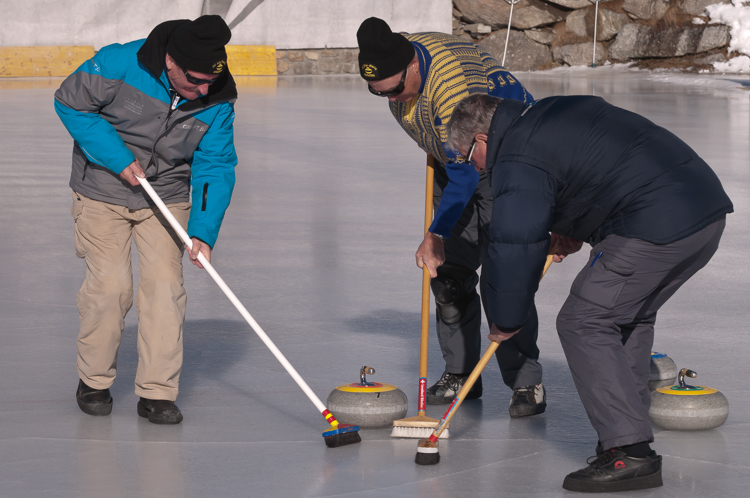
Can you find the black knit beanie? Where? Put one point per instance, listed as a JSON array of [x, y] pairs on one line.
[[382, 53], [199, 45]]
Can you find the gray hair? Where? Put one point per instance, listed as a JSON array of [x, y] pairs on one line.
[[471, 116]]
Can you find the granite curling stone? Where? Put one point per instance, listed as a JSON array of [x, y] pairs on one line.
[[683, 407], [663, 371], [367, 404]]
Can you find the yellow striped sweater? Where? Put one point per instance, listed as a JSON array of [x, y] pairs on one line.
[[451, 68]]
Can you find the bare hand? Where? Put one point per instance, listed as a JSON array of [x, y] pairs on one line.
[[431, 253], [564, 246], [496, 335], [199, 247], [133, 170]]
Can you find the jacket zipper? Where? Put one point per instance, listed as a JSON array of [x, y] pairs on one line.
[[205, 196], [172, 107]]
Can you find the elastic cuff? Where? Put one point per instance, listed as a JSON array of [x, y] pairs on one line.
[[508, 330]]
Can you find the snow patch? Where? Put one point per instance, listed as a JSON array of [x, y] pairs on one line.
[[737, 17], [739, 64]]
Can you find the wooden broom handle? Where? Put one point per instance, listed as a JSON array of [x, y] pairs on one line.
[[469, 383], [425, 321], [488, 354]]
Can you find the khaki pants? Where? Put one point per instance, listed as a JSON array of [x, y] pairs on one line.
[[103, 234]]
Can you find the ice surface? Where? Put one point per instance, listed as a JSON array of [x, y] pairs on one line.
[[318, 244]]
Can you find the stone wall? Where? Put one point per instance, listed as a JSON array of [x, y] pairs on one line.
[[317, 61], [552, 33]]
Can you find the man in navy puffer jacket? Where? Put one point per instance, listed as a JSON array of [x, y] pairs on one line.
[[652, 210]]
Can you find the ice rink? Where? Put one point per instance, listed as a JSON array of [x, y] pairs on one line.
[[319, 245]]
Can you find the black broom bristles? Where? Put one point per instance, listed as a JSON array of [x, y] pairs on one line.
[[342, 435], [427, 458], [427, 451], [342, 439]]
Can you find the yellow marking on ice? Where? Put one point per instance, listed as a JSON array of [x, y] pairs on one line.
[[42, 61]]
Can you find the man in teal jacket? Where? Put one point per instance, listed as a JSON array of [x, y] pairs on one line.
[[160, 108]]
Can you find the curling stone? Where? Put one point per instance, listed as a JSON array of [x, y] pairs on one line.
[[367, 404], [684, 407], [663, 371]]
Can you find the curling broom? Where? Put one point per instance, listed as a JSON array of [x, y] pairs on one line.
[[427, 449], [337, 434], [422, 426]]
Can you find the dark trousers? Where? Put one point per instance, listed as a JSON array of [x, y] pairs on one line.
[[606, 325], [461, 342]]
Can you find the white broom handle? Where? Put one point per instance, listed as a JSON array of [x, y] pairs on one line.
[[237, 304]]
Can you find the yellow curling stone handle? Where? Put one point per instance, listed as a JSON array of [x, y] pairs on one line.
[[682, 389]]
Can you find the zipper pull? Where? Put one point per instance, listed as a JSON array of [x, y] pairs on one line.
[[175, 100]]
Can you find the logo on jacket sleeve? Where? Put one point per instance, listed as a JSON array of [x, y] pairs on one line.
[[194, 127], [133, 106]]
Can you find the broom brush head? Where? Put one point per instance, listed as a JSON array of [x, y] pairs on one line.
[[427, 452], [417, 432], [418, 427], [342, 435]]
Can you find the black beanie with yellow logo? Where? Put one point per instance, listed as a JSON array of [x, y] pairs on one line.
[[382, 53], [199, 45]]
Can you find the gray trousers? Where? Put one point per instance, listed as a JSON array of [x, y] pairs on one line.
[[606, 325], [461, 342]]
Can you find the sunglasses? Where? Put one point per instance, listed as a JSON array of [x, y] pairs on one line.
[[471, 152], [197, 81], [397, 90]]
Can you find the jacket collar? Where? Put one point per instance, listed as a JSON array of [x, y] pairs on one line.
[[153, 54], [505, 115], [425, 61]]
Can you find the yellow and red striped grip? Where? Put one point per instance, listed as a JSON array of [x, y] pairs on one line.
[[330, 419]]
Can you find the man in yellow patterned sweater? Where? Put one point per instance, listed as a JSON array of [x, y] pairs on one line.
[[424, 75]]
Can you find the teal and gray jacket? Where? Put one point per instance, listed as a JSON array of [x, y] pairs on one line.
[[118, 107]]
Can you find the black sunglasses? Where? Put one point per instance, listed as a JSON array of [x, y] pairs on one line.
[[397, 90], [197, 81]]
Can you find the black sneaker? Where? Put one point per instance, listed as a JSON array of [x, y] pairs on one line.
[[159, 411], [97, 402], [616, 471], [444, 391], [528, 400]]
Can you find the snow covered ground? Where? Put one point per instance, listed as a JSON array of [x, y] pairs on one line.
[[318, 244], [737, 16]]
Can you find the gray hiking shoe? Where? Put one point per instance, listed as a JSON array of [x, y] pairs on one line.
[[528, 400], [444, 391]]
